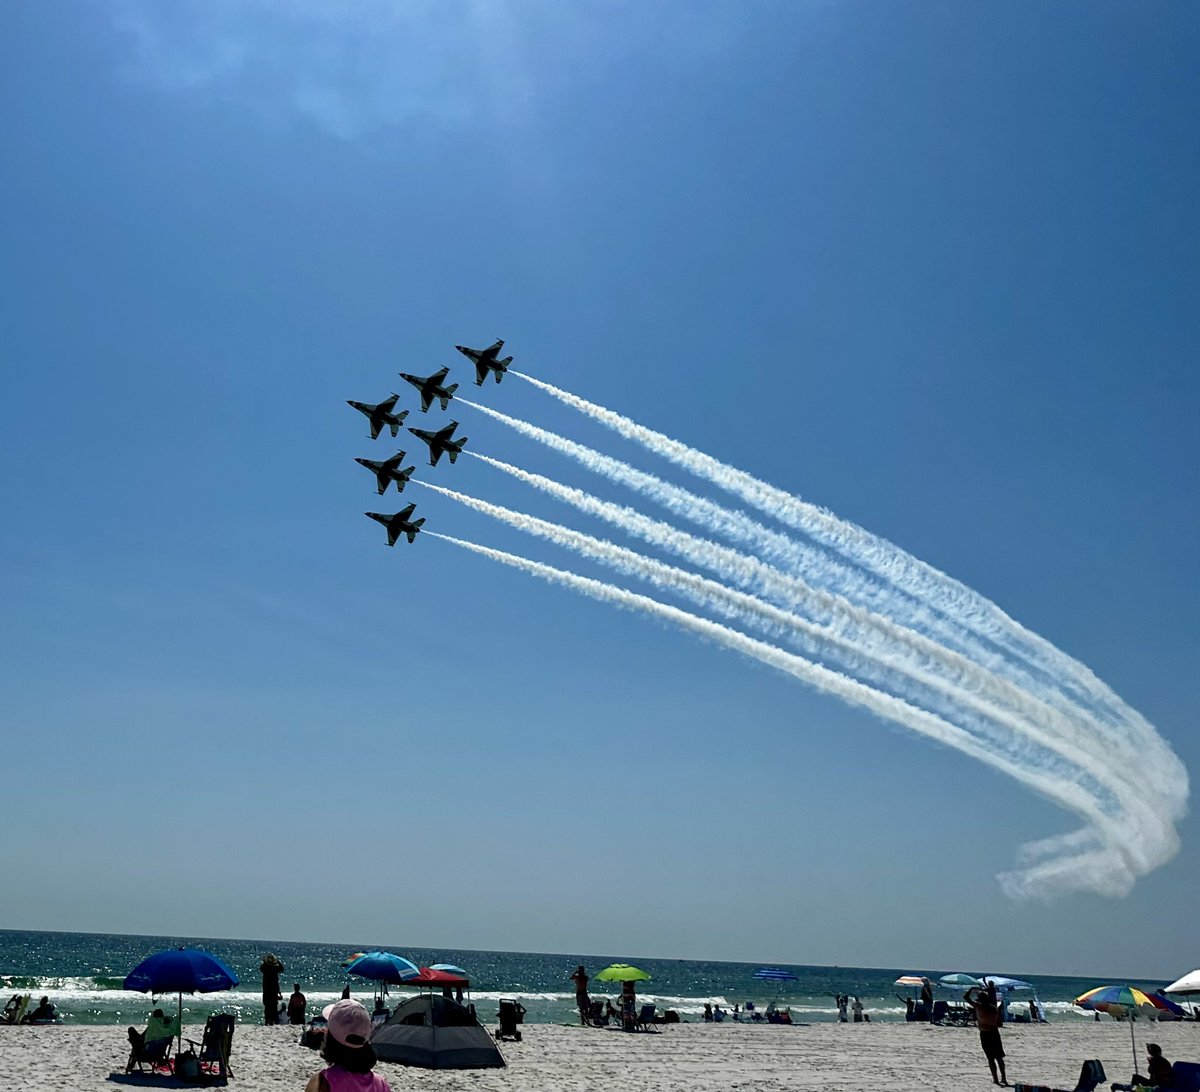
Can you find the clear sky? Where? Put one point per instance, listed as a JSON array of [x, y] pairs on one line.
[[932, 266]]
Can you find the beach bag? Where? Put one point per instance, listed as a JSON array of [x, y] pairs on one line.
[[187, 1067]]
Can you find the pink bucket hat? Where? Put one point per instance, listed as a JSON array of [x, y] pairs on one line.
[[348, 1022]]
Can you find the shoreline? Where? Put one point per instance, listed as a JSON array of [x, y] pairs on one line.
[[822, 1057]]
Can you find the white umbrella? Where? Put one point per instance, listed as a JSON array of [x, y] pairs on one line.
[[1189, 983]]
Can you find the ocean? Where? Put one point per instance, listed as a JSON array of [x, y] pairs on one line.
[[83, 972]]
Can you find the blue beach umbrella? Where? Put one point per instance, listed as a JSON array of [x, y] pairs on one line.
[[384, 967], [180, 971], [958, 980], [775, 974]]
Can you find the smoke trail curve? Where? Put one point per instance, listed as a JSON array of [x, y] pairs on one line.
[[1090, 859]]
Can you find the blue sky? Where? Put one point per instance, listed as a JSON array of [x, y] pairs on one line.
[[930, 266]]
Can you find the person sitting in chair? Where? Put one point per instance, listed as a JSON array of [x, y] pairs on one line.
[[159, 1027], [1158, 1071]]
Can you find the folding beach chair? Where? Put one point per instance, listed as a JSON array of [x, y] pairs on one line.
[[1091, 1076], [157, 1053], [215, 1045], [645, 1019], [1187, 1076]]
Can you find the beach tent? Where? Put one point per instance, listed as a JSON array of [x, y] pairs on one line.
[[435, 1032]]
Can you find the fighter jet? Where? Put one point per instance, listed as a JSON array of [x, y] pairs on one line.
[[431, 388], [440, 441], [485, 361], [398, 524], [381, 414], [388, 471]]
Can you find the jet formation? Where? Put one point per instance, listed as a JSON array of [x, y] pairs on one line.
[[441, 441]]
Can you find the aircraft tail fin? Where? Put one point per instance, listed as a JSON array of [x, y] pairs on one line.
[[395, 427], [456, 450]]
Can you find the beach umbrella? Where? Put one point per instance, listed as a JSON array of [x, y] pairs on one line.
[[449, 968], [1106, 998], [958, 980], [1188, 984], [180, 971], [914, 980], [1002, 983], [357, 955], [621, 972], [1161, 1001], [775, 974], [384, 967]]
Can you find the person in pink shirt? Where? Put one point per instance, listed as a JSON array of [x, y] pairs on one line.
[[347, 1049]]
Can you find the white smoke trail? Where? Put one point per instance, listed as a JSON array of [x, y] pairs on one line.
[[923, 581], [901, 649], [877, 555], [836, 586], [882, 667], [1066, 755], [1099, 858]]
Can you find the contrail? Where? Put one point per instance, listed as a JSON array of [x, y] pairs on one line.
[[858, 627], [875, 554], [1101, 858], [913, 575], [1067, 754], [1003, 727], [837, 586]]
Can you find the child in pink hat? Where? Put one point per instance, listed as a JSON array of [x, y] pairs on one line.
[[347, 1049]]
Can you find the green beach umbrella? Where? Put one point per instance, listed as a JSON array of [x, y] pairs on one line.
[[621, 972]]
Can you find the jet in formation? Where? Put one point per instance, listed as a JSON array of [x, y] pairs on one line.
[[431, 387], [381, 414], [485, 361], [388, 471], [398, 523], [441, 441]]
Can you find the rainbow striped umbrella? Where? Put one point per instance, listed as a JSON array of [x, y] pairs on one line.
[[1106, 998]]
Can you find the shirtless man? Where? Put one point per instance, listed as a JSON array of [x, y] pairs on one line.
[[582, 1001], [988, 1017]]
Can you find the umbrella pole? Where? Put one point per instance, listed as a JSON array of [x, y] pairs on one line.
[[179, 1046], [1133, 1042]]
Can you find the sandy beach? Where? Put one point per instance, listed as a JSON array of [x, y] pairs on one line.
[[693, 1057]]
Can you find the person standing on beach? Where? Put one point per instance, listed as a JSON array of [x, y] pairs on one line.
[[987, 1016], [297, 1004], [582, 1001], [271, 967]]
